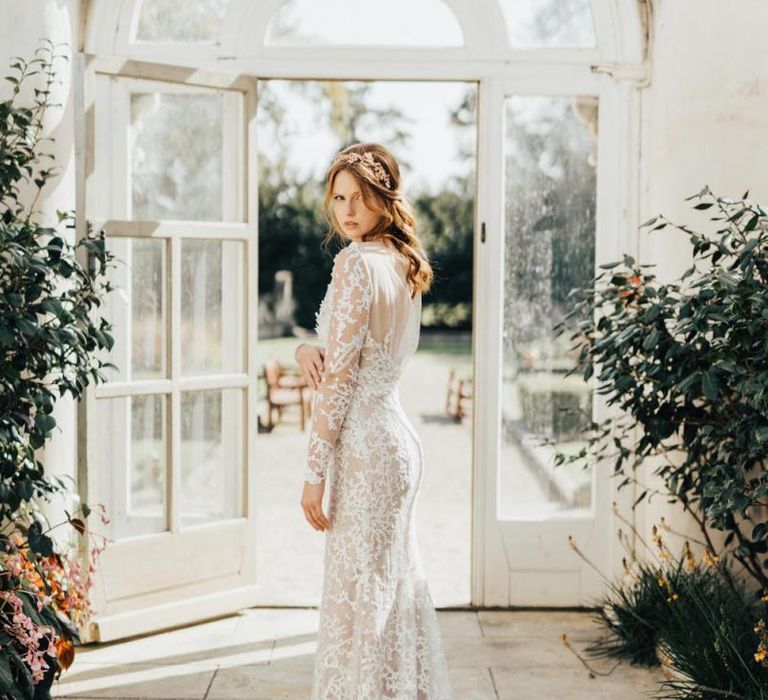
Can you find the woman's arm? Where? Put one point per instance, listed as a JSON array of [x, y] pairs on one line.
[[349, 313]]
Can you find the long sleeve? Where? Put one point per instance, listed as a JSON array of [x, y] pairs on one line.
[[350, 306]]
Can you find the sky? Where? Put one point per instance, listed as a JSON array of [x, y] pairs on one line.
[[433, 147]]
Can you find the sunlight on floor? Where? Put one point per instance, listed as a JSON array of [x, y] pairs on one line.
[[267, 654]]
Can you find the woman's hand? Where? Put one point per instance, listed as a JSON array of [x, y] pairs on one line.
[[312, 503], [310, 360]]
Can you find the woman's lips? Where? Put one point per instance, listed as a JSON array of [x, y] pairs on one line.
[[350, 224]]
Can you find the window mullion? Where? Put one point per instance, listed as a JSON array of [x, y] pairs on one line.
[[174, 333]]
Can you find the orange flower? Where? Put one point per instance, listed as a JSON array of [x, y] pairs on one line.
[[65, 651]]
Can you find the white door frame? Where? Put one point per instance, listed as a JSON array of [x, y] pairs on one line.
[[618, 171], [184, 590], [509, 556]]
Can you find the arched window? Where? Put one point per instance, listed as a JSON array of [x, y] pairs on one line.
[[212, 31]]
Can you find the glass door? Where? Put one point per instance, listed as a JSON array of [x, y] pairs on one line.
[[168, 163], [546, 224]]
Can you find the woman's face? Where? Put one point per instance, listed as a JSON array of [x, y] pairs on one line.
[[352, 215]]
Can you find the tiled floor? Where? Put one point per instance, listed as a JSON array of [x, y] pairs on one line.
[[267, 654]]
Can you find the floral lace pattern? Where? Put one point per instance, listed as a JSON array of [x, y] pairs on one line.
[[378, 634]]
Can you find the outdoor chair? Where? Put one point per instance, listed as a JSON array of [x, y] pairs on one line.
[[285, 387], [459, 394]]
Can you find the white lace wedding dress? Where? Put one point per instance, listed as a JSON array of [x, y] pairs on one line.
[[378, 634]]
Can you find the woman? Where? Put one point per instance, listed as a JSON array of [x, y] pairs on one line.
[[378, 635]]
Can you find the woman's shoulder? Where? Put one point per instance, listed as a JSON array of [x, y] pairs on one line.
[[350, 266], [348, 255]]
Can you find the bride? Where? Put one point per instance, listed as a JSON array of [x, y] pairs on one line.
[[378, 634]]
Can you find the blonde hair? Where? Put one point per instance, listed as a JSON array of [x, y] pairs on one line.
[[382, 195]]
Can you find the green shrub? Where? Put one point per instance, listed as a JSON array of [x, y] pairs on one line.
[[687, 364], [48, 340]]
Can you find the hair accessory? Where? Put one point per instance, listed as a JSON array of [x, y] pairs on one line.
[[368, 160]]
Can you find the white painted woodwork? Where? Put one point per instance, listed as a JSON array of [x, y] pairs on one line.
[[185, 573]]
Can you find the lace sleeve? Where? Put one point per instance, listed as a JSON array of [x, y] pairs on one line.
[[350, 306]]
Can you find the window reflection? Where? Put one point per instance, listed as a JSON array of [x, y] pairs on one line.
[[180, 20], [176, 164], [137, 309], [211, 455], [550, 177], [549, 23], [364, 22], [212, 288], [132, 464]]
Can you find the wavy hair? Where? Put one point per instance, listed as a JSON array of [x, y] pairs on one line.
[[397, 225]]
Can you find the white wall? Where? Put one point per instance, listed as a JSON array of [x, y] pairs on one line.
[[22, 25], [705, 122]]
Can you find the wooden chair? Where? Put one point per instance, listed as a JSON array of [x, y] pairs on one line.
[[285, 387], [459, 393]]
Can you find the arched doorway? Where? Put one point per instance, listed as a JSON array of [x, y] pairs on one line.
[[570, 77]]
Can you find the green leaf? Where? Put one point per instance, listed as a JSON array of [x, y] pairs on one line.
[[710, 385], [651, 339], [752, 223], [44, 422]]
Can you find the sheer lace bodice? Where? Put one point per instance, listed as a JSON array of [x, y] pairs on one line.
[[369, 326], [378, 635]]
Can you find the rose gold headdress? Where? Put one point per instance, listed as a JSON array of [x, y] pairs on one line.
[[369, 161]]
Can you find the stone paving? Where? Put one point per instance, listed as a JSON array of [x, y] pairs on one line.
[[267, 654]]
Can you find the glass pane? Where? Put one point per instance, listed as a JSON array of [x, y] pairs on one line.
[[364, 22], [537, 23], [176, 164], [131, 467], [550, 157], [212, 306], [137, 309], [212, 449], [180, 20]]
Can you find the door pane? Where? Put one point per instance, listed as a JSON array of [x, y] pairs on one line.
[[131, 469], [212, 449], [137, 309], [212, 319], [550, 157], [550, 23], [176, 150]]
